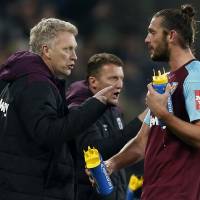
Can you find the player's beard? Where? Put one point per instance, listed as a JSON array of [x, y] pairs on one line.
[[161, 52]]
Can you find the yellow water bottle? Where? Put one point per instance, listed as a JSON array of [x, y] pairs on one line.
[[159, 82], [98, 170], [135, 183]]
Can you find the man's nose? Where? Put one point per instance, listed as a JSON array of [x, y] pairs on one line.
[[147, 39], [74, 56], [119, 84]]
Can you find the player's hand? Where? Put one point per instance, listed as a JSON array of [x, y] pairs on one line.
[[109, 166], [156, 102]]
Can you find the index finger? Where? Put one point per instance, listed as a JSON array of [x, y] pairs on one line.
[[151, 89], [105, 90]]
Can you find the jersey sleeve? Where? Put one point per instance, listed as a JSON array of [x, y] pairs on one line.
[[147, 118], [191, 91]]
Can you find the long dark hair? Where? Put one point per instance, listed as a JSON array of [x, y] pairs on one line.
[[182, 20]]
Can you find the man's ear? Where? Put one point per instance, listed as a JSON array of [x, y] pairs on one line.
[[172, 36], [46, 51], [92, 83]]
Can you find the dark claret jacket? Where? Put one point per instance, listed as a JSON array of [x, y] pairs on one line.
[[36, 125], [108, 135]]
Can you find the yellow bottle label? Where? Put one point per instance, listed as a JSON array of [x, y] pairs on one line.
[[92, 158], [160, 78], [135, 183]]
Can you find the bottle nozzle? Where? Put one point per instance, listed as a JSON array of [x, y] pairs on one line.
[[160, 78], [135, 182], [92, 157]]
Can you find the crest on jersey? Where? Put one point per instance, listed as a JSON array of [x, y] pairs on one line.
[[174, 86]]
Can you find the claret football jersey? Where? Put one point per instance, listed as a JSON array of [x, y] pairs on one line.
[[172, 167]]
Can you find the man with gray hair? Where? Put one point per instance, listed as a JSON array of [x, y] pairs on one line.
[[36, 125]]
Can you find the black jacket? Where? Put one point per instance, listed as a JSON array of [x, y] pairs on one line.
[[35, 161], [108, 135]]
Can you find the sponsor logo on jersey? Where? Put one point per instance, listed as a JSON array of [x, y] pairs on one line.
[[197, 99], [174, 86], [154, 121]]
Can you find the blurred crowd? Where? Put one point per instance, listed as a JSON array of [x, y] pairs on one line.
[[104, 26]]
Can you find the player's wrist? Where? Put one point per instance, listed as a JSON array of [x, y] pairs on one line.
[[165, 115]]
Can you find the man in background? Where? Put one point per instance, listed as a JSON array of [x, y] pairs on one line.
[[108, 134]]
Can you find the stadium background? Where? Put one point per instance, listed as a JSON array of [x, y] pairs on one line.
[[113, 26]]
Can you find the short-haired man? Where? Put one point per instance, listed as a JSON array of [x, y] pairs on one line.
[[35, 123], [108, 134]]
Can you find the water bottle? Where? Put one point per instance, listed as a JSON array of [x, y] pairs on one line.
[[95, 164], [134, 184], [159, 84]]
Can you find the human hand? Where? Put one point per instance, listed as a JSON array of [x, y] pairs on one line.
[[109, 166], [109, 169], [156, 102], [91, 179], [108, 95]]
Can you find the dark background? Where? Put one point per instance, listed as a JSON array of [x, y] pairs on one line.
[[114, 26]]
